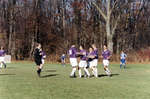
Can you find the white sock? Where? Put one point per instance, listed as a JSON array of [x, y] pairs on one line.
[[96, 72], [80, 73], [108, 70], [93, 71], [1, 65], [87, 72], [73, 71]]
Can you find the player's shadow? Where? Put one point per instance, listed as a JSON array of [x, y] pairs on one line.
[[7, 74], [103, 75], [50, 75], [50, 71]]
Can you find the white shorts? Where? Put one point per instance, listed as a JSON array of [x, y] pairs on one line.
[[91, 64], [82, 63], [105, 62], [43, 61], [73, 62], [95, 62], [1, 59]]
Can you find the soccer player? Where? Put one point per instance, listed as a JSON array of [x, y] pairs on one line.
[[83, 62], [63, 58], [106, 56], [2, 56], [123, 57], [91, 56], [38, 58], [73, 60], [95, 60]]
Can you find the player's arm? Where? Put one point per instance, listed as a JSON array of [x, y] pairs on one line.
[[109, 56]]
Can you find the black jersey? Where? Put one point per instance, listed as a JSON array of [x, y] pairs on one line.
[[37, 54]]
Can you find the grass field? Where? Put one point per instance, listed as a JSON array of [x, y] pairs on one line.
[[20, 81]]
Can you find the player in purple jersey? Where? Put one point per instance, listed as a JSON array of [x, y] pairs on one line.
[[91, 57], [95, 60], [83, 62], [2, 56], [106, 56], [73, 60]]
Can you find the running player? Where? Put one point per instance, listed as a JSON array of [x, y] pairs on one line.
[[2, 57], [73, 60], [83, 62], [123, 57], [63, 58], [106, 56], [91, 57], [95, 60], [38, 58]]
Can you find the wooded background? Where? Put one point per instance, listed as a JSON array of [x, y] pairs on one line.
[[56, 24]]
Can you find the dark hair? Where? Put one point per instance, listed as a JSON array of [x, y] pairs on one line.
[[37, 44], [82, 46], [105, 45]]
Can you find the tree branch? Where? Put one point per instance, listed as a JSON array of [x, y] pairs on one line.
[[113, 6], [115, 25], [100, 11]]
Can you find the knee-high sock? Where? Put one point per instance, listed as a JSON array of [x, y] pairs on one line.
[[80, 74], [1, 65], [96, 72], [73, 71], [86, 71], [93, 71], [106, 72]]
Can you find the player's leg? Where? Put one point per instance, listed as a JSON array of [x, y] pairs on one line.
[[120, 64], [38, 63], [106, 64], [92, 67], [4, 64], [80, 74], [124, 64], [73, 62], [95, 71], [95, 67], [1, 64], [85, 69], [73, 71]]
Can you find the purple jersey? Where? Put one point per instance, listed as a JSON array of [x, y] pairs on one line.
[[43, 55], [96, 53], [72, 52], [84, 54], [106, 54], [90, 54], [2, 53]]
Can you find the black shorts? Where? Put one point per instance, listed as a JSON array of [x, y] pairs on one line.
[[38, 62]]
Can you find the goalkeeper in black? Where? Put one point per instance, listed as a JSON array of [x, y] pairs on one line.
[[38, 58]]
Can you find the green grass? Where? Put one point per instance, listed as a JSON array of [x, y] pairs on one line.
[[20, 81]]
